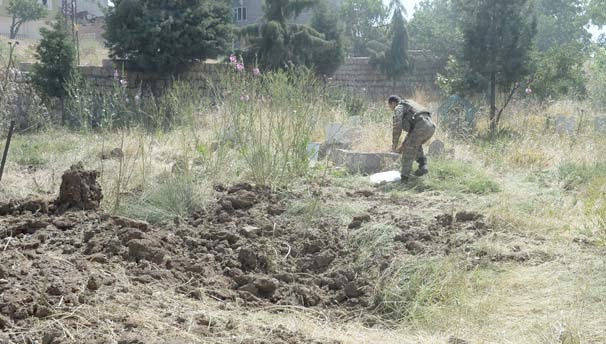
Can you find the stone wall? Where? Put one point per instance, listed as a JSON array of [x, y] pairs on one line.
[[357, 75]]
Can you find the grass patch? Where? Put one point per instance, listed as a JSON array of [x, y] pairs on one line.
[[174, 197], [414, 291], [372, 242], [452, 175], [575, 175]]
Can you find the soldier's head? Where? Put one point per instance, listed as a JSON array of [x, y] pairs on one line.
[[393, 101]]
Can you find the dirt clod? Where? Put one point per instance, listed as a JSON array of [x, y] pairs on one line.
[[352, 291], [79, 190], [242, 199], [358, 221], [139, 249], [248, 258], [92, 284], [465, 216]]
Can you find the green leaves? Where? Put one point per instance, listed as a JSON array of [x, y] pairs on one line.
[[23, 11], [276, 43], [56, 57], [161, 36]]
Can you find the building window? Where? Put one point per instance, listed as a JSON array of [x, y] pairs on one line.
[[240, 14]]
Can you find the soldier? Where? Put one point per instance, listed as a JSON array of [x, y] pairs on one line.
[[416, 121]]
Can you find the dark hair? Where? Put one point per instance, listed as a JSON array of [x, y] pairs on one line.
[[394, 99]]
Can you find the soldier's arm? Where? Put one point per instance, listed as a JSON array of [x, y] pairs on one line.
[[397, 127]]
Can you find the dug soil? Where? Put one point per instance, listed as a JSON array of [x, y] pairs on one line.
[[59, 257]]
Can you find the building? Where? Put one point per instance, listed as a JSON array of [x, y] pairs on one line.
[[246, 12], [87, 11]]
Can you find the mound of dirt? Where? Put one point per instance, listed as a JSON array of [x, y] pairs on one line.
[[79, 190]]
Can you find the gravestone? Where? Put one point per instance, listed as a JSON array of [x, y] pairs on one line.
[[565, 125], [363, 162], [342, 135], [436, 149], [599, 124]]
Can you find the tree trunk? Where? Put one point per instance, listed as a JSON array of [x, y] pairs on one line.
[[13, 33], [493, 104]]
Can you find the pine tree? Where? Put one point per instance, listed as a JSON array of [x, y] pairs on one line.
[[275, 43], [161, 36], [497, 43], [392, 58], [56, 64], [56, 57], [326, 60]]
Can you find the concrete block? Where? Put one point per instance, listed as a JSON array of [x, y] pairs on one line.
[[363, 162]]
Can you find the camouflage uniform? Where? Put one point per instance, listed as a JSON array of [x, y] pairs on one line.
[[416, 121]]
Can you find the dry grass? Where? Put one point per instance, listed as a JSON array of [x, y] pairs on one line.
[[555, 297]]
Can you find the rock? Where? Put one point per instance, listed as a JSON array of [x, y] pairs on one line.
[[599, 124], [436, 149], [145, 249], [352, 291], [3, 273], [565, 125], [342, 135], [362, 162], [248, 258], [98, 258], [79, 189]]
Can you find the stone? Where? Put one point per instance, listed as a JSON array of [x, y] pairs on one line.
[[362, 162], [565, 125], [436, 149], [313, 151], [599, 124], [343, 135]]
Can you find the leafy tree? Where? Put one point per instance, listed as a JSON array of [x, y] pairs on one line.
[[497, 43], [559, 71], [392, 59], [161, 35], [56, 64], [326, 22], [365, 22], [434, 30], [596, 10], [275, 43], [561, 22], [23, 11]]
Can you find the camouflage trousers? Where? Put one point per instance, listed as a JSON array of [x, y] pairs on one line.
[[423, 130]]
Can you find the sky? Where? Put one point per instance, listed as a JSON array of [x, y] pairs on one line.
[[408, 4]]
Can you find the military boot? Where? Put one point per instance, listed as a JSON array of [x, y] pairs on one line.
[[422, 167]]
